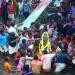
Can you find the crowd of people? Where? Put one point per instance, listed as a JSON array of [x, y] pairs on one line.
[[12, 8], [42, 47]]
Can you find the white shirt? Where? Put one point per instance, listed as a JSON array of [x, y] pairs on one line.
[[12, 29], [47, 59]]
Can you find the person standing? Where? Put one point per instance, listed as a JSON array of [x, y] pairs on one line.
[[26, 9], [61, 61], [4, 6], [20, 8], [11, 11], [13, 43], [15, 3]]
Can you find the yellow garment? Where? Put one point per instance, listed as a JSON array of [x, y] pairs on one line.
[[7, 67], [44, 43]]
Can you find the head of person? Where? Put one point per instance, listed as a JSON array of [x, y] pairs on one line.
[[26, 68], [12, 34], [45, 28], [45, 52], [4, 1], [24, 43], [20, 1], [25, 1], [25, 28], [64, 51], [29, 53], [30, 34], [35, 57], [2, 31], [6, 59], [22, 54], [9, 22]]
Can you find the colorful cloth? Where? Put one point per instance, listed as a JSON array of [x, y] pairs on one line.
[[44, 43]]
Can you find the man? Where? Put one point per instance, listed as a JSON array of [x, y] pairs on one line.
[[26, 9], [36, 65], [4, 6], [11, 11], [20, 8], [61, 61]]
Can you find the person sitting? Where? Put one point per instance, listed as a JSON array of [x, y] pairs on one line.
[[61, 60], [47, 60], [8, 67], [36, 65]]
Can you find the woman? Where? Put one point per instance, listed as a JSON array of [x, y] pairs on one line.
[[4, 6]]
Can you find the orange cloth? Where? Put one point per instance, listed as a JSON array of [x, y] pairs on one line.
[[36, 66], [7, 67]]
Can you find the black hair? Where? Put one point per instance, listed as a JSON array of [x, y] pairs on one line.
[[25, 28], [22, 54], [45, 28], [1, 31], [6, 59], [33, 23], [35, 57], [26, 68], [24, 41], [64, 51], [45, 52]]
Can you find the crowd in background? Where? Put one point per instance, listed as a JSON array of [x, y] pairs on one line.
[[12, 8], [42, 46]]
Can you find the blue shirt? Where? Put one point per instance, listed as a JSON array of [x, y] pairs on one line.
[[4, 39], [26, 7], [72, 11], [62, 58]]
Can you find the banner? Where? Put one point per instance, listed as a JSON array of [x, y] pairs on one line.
[[35, 14]]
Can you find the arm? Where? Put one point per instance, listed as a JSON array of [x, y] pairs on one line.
[[29, 58], [15, 40]]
